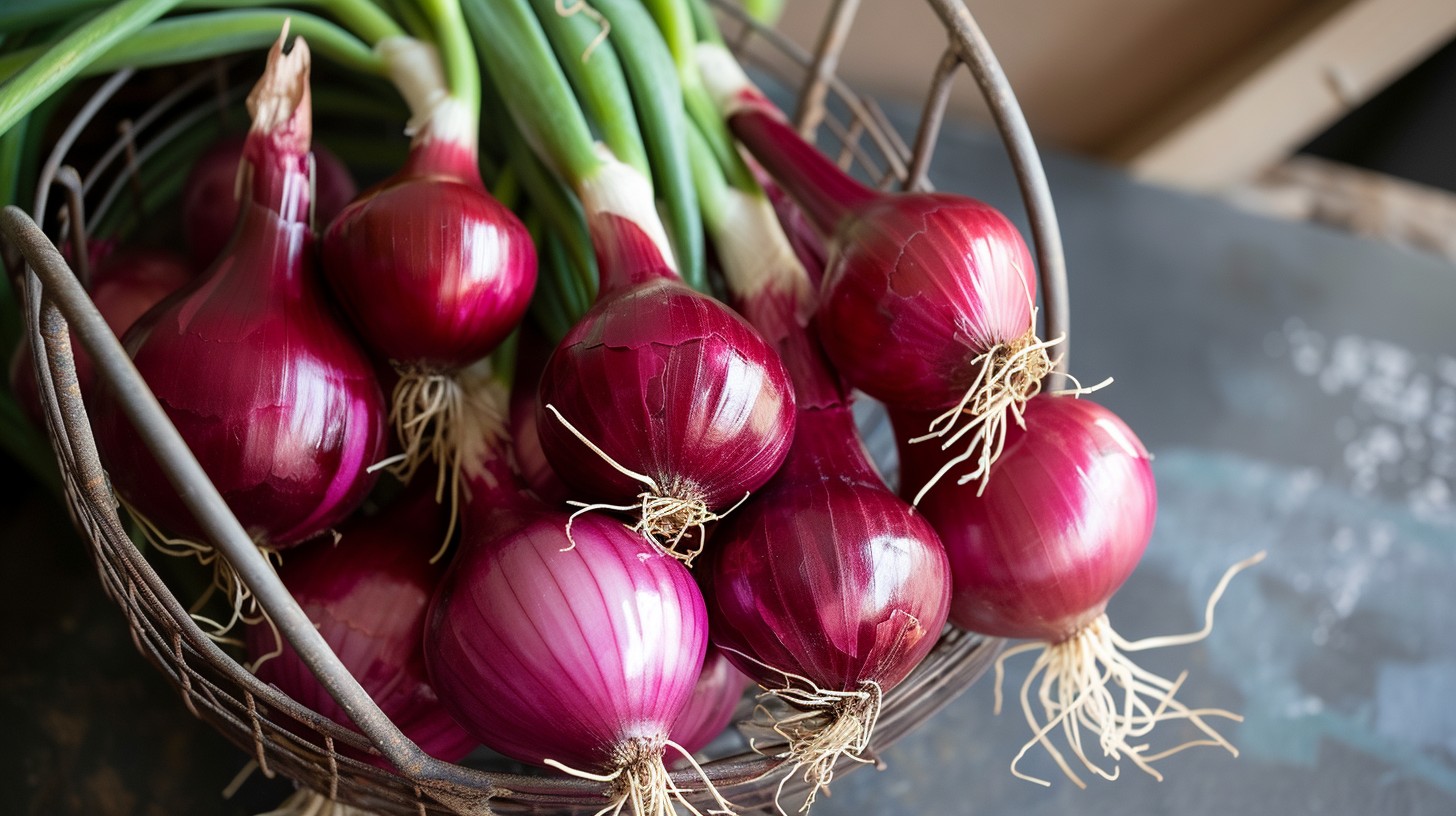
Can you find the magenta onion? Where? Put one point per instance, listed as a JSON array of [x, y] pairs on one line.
[[432, 270], [210, 195], [715, 698], [827, 590], [264, 383], [367, 594], [576, 650], [660, 394], [1037, 555], [125, 283], [928, 299]]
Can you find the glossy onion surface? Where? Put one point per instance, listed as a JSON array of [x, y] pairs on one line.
[[267, 386], [1062, 523], [917, 287], [825, 573], [432, 270], [548, 651], [367, 594], [671, 384]]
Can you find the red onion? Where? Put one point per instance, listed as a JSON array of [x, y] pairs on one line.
[[715, 698], [659, 395], [125, 283], [1053, 536], [265, 384], [367, 594], [928, 298], [825, 587], [210, 195], [574, 649], [431, 269]]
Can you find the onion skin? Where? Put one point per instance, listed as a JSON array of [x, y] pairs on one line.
[[266, 385], [368, 594], [825, 573], [673, 385], [916, 288], [432, 270], [715, 698], [125, 283], [210, 203], [545, 651], [917, 284], [1062, 524]]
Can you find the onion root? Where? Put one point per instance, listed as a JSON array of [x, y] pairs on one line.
[[642, 781], [426, 414], [1080, 681]]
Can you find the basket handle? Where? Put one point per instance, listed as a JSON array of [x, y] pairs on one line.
[[202, 498]]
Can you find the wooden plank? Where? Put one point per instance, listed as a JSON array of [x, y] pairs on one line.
[[1234, 127]]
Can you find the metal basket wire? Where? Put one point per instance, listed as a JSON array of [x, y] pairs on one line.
[[284, 737]]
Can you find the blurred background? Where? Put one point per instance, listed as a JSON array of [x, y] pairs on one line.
[[1279, 104]]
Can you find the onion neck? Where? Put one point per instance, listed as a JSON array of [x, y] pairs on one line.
[[827, 445], [445, 141], [771, 289], [827, 194], [626, 233], [276, 170]]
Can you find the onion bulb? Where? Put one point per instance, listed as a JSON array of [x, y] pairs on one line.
[[573, 649], [1038, 555], [266, 385], [928, 300]]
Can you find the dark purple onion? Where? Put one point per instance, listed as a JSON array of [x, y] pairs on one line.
[[367, 594], [432, 270], [210, 203], [266, 385], [918, 284], [825, 573], [1060, 526], [670, 384]]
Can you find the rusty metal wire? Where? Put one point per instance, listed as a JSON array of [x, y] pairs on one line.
[[279, 735]]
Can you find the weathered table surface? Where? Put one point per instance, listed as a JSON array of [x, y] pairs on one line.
[[1298, 388]]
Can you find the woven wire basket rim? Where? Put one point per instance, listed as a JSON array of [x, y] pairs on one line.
[[285, 737]]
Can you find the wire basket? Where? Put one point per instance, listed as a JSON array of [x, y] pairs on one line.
[[285, 738]]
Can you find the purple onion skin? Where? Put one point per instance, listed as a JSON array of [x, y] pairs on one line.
[[432, 270], [210, 209], [368, 595], [917, 284], [125, 283], [671, 384], [544, 651], [715, 698], [266, 385], [1062, 523], [825, 573]]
